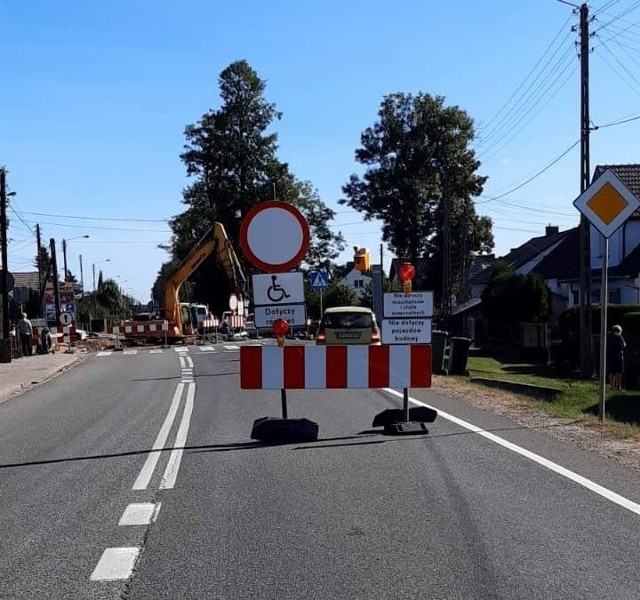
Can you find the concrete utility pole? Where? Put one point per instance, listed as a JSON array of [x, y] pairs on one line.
[[584, 259], [586, 361], [4, 285]]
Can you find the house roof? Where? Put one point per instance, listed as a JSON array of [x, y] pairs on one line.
[[563, 262], [628, 174], [517, 257]]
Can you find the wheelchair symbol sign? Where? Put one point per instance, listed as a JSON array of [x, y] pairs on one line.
[[278, 288]]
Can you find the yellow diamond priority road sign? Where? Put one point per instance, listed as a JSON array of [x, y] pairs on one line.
[[607, 203]]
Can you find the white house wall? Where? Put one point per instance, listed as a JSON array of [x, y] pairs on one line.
[[350, 279]]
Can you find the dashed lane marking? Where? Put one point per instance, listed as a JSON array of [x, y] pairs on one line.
[[140, 514], [115, 563]]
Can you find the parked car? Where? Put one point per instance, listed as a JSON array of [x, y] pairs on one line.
[[343, 325]]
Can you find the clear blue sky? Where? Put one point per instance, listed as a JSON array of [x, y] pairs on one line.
[[96, 95]]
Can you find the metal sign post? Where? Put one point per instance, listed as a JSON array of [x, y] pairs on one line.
[[607, 204]]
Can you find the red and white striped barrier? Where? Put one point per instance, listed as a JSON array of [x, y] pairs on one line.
[[236, 321], [68, 333], [139, 328], [209, 323], [334, 367]]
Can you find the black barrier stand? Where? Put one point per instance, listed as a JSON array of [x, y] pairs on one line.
[[283, 430]]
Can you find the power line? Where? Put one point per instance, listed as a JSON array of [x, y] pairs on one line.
[[620, 122], [523, 82], [524, 106], [97, 218], [540, 172], [619, 16]]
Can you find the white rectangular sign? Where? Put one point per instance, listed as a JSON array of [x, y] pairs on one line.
[[415, 305], [406, 331], [294, 314], [278, 288]]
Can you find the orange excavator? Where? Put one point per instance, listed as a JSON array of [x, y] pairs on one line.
[[181, 320]]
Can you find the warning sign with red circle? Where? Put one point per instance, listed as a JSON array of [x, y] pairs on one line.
[[274, 236]]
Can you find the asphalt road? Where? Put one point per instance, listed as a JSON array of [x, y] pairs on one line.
[[133, 476]]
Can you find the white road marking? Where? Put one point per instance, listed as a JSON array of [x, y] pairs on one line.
[[157, 351], [183, 363], [181, 349], [115, 563], [536, 458], [207, 349], [130, 352], [171, 472], [104, 353], [232, 348], [189, 362], [144, 477], [140, 514]]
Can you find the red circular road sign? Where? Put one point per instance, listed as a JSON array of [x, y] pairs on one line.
[[274, 236]]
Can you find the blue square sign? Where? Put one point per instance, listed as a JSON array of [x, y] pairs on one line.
[[318, 280]]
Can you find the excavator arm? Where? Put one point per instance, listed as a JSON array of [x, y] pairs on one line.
[[215, 240]]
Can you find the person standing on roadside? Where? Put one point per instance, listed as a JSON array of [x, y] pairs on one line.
[[25, 329], [615, 357]]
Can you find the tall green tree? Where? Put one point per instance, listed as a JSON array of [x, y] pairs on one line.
[[230, 154], [417, 155]]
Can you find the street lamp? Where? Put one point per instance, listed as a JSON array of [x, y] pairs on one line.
[[64, 255]]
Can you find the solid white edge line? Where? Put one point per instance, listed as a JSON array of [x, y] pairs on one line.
[[544, 462], [115, 563], [149, 466], [171, 472]]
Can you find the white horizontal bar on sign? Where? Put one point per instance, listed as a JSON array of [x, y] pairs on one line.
[[415, 305], [293, 314], [406, 331]]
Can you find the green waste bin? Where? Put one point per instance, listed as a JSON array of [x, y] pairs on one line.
[[438, 351], [459, 355]]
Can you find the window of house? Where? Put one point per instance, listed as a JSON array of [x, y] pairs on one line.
[[615, 296], [358, 283], [595, 296]]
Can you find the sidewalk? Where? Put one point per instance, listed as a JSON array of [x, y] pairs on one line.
[[25, 372]]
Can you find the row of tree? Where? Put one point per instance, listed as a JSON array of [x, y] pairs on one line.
[[417, 157]]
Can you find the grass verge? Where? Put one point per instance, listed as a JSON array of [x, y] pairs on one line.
[[578, 398]]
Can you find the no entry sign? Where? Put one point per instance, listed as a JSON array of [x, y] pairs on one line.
[[274, 236]]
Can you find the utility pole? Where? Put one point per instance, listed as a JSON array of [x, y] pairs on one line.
[[39, 259], [64, 258], [56, 288], [446, 250], [586, 366], [4, 285], [81, 276]]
